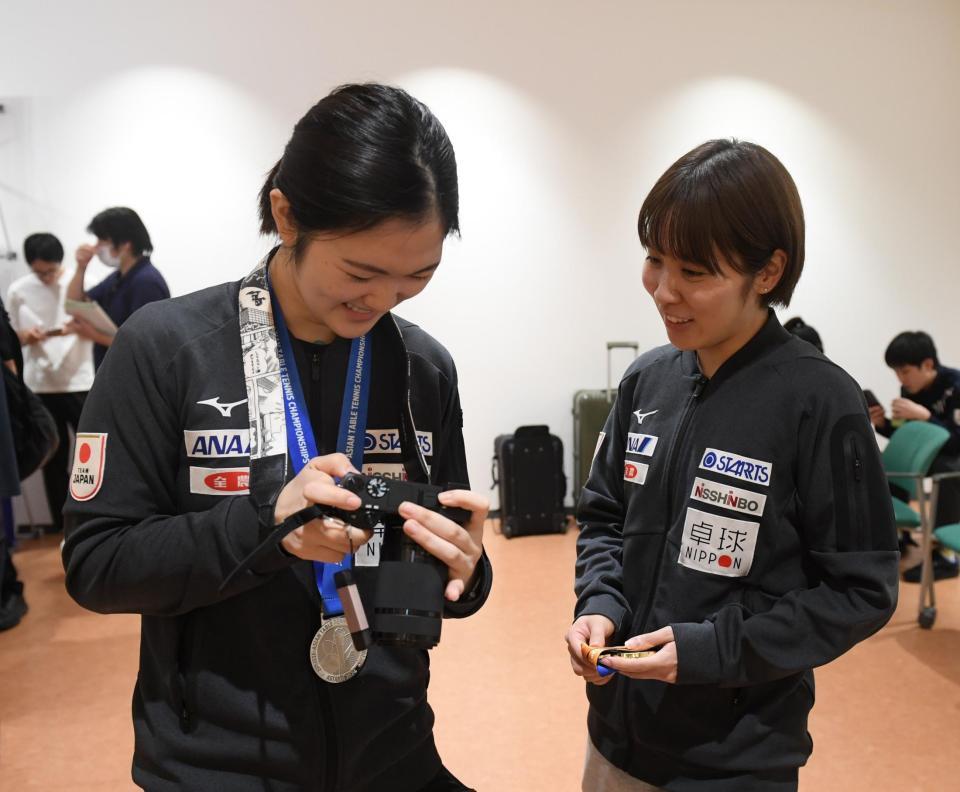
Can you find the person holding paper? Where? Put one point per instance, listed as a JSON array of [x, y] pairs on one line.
[[123, 244], [58, 363], [223, 414]]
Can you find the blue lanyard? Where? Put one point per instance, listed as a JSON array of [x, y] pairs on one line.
[[301, 440]]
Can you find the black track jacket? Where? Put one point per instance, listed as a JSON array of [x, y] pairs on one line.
[[226, 698], [750, 513]]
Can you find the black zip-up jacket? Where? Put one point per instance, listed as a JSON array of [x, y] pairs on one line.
[[750, 513], [226, 698], [942, 398]]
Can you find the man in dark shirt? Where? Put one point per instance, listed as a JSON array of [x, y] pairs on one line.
[[929, 392], [123, 244]]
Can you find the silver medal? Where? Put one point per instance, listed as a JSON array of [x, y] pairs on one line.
[[332, 654]]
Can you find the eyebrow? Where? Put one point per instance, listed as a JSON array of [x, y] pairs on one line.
[[378, 271]]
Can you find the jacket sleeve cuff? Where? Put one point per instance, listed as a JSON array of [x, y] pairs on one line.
[[472, 600], [698, 656], [250, 527], [602, 605]]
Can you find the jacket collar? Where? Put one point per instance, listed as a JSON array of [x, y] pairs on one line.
[[768, 338]]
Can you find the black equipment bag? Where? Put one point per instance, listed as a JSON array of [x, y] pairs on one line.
[[35, 437], [528, 467]]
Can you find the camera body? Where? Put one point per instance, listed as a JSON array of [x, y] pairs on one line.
[[408, 600]]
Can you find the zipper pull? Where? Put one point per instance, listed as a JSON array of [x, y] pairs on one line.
[[315, 367], [699, 384]]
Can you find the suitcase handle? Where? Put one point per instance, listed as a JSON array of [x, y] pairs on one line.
[[611, 345]]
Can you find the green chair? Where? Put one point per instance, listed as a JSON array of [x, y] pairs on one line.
[[906, 460]]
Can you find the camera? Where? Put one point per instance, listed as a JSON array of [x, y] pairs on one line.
[[408, 600]]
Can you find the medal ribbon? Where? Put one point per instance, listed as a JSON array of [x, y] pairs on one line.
[[301, 440]]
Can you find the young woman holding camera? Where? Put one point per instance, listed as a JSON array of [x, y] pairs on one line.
[[219, 415]]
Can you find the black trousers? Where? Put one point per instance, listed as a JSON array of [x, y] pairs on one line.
[[65, 409]]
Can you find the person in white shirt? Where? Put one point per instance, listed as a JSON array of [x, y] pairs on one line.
[[58, 363]]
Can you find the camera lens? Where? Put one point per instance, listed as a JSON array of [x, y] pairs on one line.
[[408, 605]]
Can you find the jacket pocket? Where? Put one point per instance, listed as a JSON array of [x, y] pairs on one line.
[[184, 677]]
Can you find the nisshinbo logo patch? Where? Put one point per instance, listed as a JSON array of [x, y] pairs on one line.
[[728, 497], [738, 467]]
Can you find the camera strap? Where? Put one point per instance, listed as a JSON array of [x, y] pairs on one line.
[[301, 441]]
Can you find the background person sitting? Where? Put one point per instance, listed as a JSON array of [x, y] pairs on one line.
[[928, 392]]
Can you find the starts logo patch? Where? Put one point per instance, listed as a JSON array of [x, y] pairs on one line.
[[718, 545], [736, 466], [89, 459], [387, 441]]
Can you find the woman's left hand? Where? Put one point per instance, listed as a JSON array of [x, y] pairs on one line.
[[662, 665], [460, 548]]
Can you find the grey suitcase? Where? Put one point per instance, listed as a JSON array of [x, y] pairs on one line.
[[590, 411]]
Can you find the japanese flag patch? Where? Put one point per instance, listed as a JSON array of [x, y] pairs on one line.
[[718, 545], [89, 458]]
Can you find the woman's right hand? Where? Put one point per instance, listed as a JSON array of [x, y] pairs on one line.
[[324, 539], [593, 630]]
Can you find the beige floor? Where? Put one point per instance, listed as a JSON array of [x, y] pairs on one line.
[[510, 716]]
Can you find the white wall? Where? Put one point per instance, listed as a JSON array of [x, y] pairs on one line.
[[562, 114]]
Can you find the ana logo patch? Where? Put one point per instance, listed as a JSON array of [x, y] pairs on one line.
[[219, 481], [216, 444], [635, 472], [641, 444], [641, 415], [728, 496], [718, 545], [736, 466], [387, 441], [89, 459]]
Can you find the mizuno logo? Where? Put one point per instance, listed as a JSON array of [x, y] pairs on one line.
[[225, 409], [642, 415]]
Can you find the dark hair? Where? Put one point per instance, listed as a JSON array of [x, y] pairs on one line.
[[362, 155], [802, 330], [120, 224], [731, 199], [910, 348], [43, 246]]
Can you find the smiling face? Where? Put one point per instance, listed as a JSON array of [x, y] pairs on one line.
[[713, 314], [343, 283]]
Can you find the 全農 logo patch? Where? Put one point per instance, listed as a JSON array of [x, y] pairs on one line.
[[728, 496], [219, 481], [717, 544], [89, 462], [635, 472], [736, 466]]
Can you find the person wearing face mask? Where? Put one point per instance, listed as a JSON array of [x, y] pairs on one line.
[[123, 244], [736, 522], [188, 455], [58, 364]]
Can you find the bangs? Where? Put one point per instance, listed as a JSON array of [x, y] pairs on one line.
[[684, 218]]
